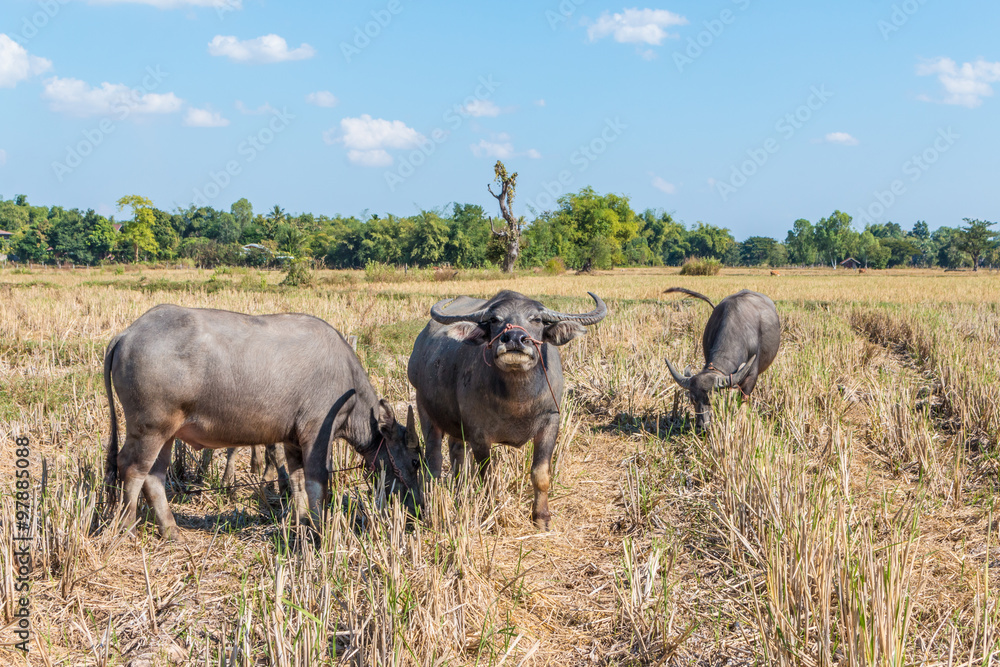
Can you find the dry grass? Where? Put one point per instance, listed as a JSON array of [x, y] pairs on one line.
[[844, 515]]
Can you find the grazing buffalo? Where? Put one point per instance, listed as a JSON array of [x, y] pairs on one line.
[[740, 341], [217, 379], [488, 372]]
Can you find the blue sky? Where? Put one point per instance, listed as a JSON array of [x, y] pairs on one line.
[[739, 113]]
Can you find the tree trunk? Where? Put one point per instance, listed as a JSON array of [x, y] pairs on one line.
[[513, 250]]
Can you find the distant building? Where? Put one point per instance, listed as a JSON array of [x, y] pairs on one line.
[[850, 263], [117, 226], [5, 235]]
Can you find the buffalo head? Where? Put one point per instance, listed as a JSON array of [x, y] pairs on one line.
[[701, 385], [396, 449], [513, 328]]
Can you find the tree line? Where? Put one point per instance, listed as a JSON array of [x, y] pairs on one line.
[[587, 230]]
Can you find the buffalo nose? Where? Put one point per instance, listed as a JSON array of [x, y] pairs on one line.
[[513, 336]]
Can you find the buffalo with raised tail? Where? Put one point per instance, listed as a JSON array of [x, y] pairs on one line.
[[741, 340], [489, 372], [217, 379]]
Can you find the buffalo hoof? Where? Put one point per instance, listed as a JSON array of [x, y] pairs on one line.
[[172, 534], [542, 521]]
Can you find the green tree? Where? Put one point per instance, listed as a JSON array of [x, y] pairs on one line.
[[291, 240], [710, 241], [833, 236], [30, 244], [273, 220], [949, 253], [801, 243], [755, 250], [597, 226], [470, 238], [778, 255], [165, 232], [13, 216], [976, 238], [102, 239], [428, 239], [138, 232], [867, 247], [242, 211]]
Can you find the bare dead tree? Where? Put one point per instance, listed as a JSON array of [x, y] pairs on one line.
[[511, 231]]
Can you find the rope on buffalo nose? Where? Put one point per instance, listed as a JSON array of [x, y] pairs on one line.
[[538, 346]]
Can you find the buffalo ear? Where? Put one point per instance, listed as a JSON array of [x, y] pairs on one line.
[[743, 371], [386, 419], [412, 439], [466, 332], [561, 333]]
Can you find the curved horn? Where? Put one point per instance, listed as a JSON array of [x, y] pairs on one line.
[[683, 381], [586, 319], [438, 316]]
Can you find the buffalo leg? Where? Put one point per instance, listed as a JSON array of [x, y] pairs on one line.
[[135, 460], [458, 453], [276, 468], [156, 496], [432, 442], [317, 478], [257, 462], [206, 463], [296, 479], [229, 476], [541, 464], [481, 452]]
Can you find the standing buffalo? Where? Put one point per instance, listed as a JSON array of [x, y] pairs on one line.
[[740, 341], [488, 372], [217, 379]]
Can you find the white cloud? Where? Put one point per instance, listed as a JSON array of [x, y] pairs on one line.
[[966, 85], [499, 150], [663, 185], [374, 158], [540, 103], [635, 26], [16, 64], [481, 108], [3, 157], [322, 98], [175, 4], [842, 138], [263, 109], [367, 133], [266, 49], [367, 139], [78, 98], [204, 118]]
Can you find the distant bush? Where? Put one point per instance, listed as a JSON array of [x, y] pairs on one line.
[[377, 272], [341, 278], [555, 266], [298, 274], [445, 273], [694, 266]]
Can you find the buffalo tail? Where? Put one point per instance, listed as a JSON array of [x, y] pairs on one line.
[[684, 290], [111, 460]]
